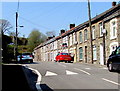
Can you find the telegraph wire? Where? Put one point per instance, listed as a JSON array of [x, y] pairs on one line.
[[35, 23]]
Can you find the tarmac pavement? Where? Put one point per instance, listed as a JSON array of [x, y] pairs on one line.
[[18, 78]]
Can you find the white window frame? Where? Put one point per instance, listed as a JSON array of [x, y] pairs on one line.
[[67, 40], [93, 32], [74, 39], [81, 53], [112, 36], [71, 39], [80, 37], [85, 35], [101, 28], [94, 52]]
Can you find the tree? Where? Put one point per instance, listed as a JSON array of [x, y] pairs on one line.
[[35, 38], [4, 26], [6, 40], [12, 34]]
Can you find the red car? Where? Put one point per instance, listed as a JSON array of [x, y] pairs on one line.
[[63, 57]]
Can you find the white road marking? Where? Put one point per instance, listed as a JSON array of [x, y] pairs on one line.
[[38, 79], [62, 65], [83, 71], [104, 68], [48, 73], [88, 68], [70, 72], [110, 81]]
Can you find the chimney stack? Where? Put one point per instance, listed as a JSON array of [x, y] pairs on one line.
[[113, 3], [62, 31], [72, 25]]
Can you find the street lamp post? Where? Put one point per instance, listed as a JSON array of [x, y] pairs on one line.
[[104, 54]]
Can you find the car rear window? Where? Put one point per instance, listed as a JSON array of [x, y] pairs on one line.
[[118, 50], [26, 53], [64, 54]]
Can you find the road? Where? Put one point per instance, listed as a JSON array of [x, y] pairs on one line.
[[56, 75]]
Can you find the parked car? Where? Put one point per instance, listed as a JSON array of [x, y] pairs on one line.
[[113, 63], [25, 57], [63, 57]]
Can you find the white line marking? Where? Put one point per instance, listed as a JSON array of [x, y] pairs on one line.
[[62, 65], [83, 71], [70, 72], [104, 68], [88, 68], [110, 81], [38, 79], [48, 73]]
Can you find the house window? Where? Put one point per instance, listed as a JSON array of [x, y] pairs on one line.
[[64, 45], [74, 37], [101, 28], [113, 29], [113, 46], [85, 34], [94, 53], [80, 37], [93, 32], [118, 51], [81, 53], [71, 40]]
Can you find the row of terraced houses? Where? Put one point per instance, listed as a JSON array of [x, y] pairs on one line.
[[77, 40]]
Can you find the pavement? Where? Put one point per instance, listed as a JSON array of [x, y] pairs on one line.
[[18, 78]]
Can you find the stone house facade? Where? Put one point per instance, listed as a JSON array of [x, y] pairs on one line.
[[77, 40]]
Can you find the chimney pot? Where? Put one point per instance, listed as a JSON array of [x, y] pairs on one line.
[[62, 31], [113, 3], [72, 25]]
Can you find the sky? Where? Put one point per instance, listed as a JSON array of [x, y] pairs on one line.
[[49, 16]]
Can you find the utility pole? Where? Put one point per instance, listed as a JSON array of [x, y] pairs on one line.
[[91, 45], [16, 47]]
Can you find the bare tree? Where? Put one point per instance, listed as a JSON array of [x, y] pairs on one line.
[[11, 33], [4, 26]]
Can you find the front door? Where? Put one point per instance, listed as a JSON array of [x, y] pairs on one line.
[[85, 54]]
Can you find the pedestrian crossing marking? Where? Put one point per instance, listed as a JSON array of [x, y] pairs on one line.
[[48, 73], [70, 72]]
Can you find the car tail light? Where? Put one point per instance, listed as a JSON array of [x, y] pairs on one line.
[[30, 55]]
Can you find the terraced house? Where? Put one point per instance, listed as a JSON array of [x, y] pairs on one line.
[[77, 40]]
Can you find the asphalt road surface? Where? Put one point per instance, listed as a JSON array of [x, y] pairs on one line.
[[75, 76]]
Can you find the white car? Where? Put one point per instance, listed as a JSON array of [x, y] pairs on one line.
[[25, 57]]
